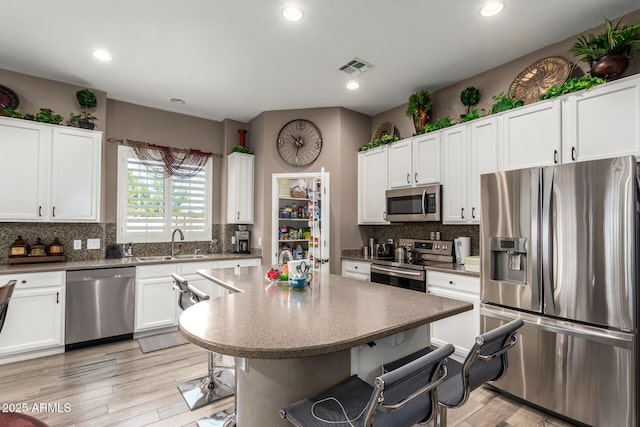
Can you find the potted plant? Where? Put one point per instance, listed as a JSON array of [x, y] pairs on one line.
[[419, 108], [87, 100], [469, 97], [47, 115], [608, 53]]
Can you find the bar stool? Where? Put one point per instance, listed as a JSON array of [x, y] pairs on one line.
[[6, 291], [400, 398], [218, 384], [486, 361]]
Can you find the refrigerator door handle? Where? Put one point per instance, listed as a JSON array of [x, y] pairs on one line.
[[546, 236], [535, 283], [563, 327]]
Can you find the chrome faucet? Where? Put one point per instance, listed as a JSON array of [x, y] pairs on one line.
[[173, 238], [284, 252]]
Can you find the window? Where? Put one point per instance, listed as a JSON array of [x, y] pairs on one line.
[[151, 206]]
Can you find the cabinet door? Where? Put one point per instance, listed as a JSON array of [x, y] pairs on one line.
[[531, 136], [400, 164], [240, 189], [75, 175], [24, 170], [34, 320], [426, 159], [602, 122], [372, 185], [156, 303], [454, 175], [482, 157], [459, 330]]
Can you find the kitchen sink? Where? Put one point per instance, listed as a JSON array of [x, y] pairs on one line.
[[190, 256], [154, 258]]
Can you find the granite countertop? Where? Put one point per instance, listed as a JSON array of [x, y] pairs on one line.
[[264, 321], [111, 263], [445, 267]]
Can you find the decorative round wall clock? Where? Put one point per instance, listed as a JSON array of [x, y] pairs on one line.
[[8, 98], [299, 142]]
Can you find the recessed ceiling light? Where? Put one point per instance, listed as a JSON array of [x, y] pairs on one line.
[[292, 13], [178, 101], [353, 85], [102, 55], [491, 9]]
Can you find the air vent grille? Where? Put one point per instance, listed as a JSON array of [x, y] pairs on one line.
[[355, 67]]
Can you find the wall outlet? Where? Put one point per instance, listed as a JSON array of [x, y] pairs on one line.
[[233, 240], [77, 244], [259, 241], [93, 243]]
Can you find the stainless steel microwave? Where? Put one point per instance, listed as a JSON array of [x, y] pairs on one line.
[[415, 204]]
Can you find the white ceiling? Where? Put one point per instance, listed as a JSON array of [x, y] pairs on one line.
[[236, 58]]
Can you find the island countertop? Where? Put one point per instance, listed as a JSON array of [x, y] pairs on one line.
[[264, 321]]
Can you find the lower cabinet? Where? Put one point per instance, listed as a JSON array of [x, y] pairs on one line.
[[461, 329], [356, 270], [157, 301], [35, 316]]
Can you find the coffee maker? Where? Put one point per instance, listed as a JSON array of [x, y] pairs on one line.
[[243, 242]]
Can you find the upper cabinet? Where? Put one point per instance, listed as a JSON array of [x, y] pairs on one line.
[[54, 171], [531, 136], [414, 161], [482, 157], [602, 122], [240, 188], [372, 185], [454, 175]]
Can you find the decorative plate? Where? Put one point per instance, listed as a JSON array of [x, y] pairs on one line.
[[385, 128], [8, 98], [538, 77]]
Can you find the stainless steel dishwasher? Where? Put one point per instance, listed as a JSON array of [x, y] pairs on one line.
[[99, 306]]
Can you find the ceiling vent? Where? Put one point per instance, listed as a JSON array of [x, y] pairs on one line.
[[355, 67]]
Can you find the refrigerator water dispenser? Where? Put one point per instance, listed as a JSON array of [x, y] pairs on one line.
[[509, 259]]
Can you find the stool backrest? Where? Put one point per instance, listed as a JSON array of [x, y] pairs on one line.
[[407, 395], [6, 291], [188, 295], [487, 360]]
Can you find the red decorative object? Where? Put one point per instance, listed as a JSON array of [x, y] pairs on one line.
[[242, 133]]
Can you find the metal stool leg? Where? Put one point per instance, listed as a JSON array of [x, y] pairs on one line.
[[209, 389], [226, 418]]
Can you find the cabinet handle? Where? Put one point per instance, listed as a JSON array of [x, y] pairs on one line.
[[238, 215], [408, 178], [355, 267], [416, 176], [462, 212], [555, 156], [54, 211], [573, 153], [23, 281], [451, 282], [39, 210], [57, 297], [384, 215], [473, 212]]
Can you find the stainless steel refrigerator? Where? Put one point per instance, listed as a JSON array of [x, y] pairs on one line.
[[559, 250]]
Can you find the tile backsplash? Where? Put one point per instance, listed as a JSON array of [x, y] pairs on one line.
[[106, 232]]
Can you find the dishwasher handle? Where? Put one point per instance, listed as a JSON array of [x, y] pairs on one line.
[[78, 276]]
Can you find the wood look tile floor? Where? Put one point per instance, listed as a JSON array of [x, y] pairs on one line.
[[117, 385]]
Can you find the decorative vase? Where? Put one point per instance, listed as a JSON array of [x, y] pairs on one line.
[[86, 124], [609, 67], [242, 133]]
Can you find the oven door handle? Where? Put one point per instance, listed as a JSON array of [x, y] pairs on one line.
[[415, 275], [424, 198]]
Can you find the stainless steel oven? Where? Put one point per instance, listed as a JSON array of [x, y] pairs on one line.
[[414, 204], [407, 277]]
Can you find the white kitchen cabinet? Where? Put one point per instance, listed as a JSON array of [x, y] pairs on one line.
[[240, 194], [415, 161], [481, 157], [54, 171], [356, 270], [454, 175], [34, 325], [400, 164], [459, 330], [602, 122], [531, 136], [156, 300], [426, 159], [372, 185]]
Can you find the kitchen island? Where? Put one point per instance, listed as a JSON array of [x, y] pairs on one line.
[[294, 344]]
